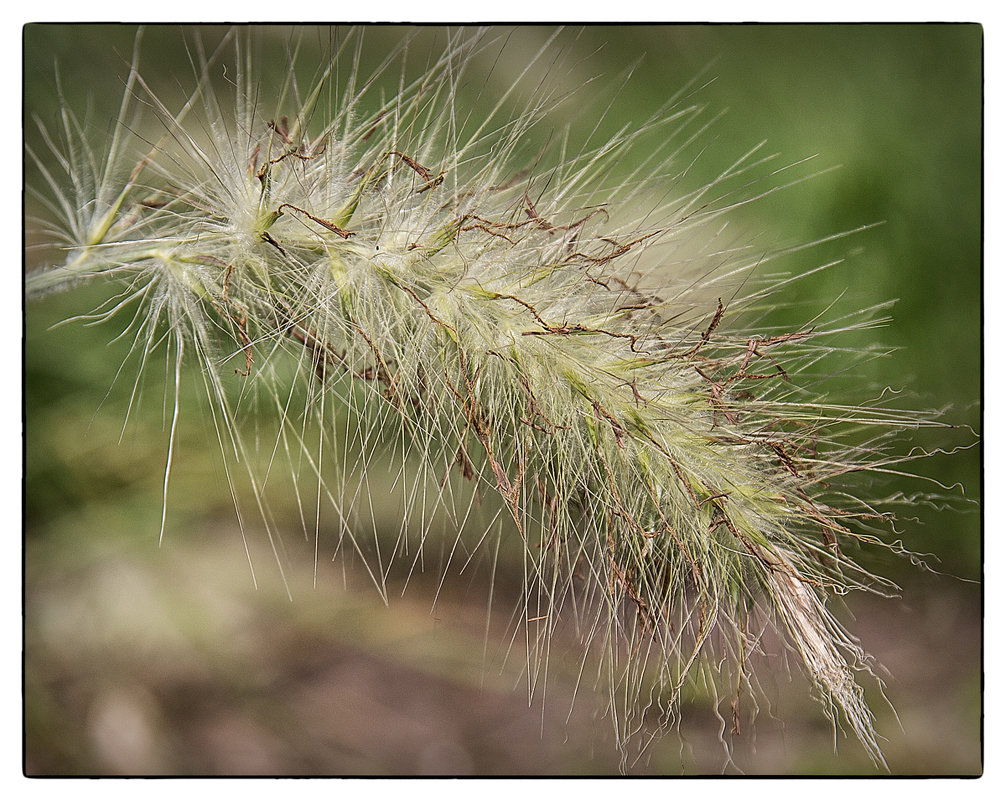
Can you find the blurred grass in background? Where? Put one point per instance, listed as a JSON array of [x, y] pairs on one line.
[[142, 659]]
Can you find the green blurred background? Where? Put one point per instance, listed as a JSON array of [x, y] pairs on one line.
[[147, 659]]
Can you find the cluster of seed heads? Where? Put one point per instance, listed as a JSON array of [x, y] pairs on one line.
[[566, 326]]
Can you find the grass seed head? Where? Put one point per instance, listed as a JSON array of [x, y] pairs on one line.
[[523, 311]]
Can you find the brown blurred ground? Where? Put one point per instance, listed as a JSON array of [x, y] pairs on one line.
[[147, 661]]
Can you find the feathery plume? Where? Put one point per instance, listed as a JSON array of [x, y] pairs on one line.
[[562, 324]]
